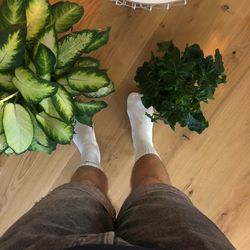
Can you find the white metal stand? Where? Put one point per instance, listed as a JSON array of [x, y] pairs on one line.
[[143, 4]]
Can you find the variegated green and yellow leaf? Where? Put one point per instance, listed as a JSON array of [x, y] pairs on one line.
[[63, 103], [3, 143], [100, 39], [26, 57], [87, 62], [63, 71], [65, 14], [82, 62], [88, 79], [37, 14], [49, 39], [56, 129], [39, 134], [29, 62], [86, 110], [40, 138], [71, 47], [12, 12], [32, 67], [6, 82], [101, 92], [32, 88], [45, 62], [12, 45], [36, 147], [9, 151], [49, 108], [65, 84], [1, 119], [18, 127], [3, 95]]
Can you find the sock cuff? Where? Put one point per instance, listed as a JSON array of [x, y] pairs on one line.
[[92, 164], [144, 150]]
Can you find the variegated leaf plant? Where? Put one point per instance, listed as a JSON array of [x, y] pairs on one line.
[[41, 71]]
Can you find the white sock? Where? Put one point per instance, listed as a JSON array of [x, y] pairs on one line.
[[86, 143], [141, 125]]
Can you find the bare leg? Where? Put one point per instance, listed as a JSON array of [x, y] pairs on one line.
[[160, 216], [89, 174], [149, 169]]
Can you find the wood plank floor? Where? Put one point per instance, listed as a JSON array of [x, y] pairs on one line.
[[212, 168]]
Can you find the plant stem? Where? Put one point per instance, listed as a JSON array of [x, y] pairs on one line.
[[8, 97]]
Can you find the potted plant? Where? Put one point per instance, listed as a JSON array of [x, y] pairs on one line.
[[42, 70], [176, 84]]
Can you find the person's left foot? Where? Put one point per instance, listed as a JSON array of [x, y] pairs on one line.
[[85, 141], [141, 126]]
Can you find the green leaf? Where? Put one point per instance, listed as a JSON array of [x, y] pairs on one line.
[[12, 12], [71, 46], [12, 45], [87, 62], [172, 53], [45, 62], [64, 82], [3, 143], [88, 79], [100, 39], [63, 103], [193, 52], [6, 82], [37, 13], [49, 108], [65, 14], [101, 92], [58, 130], [197, 122], [32, 88], [86, 110], [219, 65], [49, 39], [18, 127]]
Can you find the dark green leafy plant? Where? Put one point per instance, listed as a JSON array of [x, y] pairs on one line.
[[176, 83], [41, 73]]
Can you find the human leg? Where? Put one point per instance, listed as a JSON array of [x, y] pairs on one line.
[[64, 217], [156, 214], [149, 169]]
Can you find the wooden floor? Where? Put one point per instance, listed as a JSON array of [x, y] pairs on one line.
[[212, 168]]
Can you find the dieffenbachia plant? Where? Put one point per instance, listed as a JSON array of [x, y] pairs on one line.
[[41, 73], [176, 83]]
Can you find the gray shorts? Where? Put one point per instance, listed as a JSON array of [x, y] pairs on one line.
[[154, 216]]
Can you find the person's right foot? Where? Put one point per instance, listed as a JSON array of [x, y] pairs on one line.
[[87, 145]]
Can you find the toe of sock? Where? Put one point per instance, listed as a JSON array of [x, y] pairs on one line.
[[134, 103], [133, 99]]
